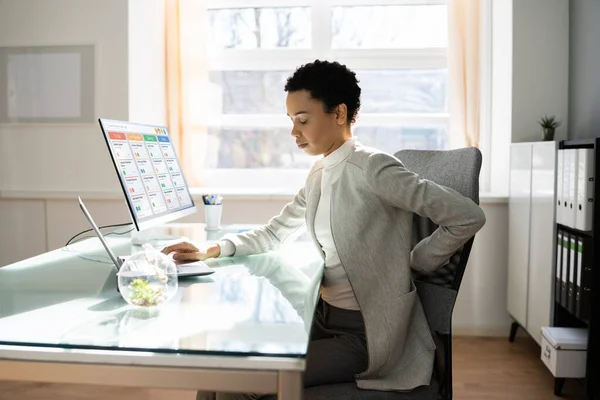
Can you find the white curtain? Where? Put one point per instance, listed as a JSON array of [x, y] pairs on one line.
[[464, 72], [186, 77]]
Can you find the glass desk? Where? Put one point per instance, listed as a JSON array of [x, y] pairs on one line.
[[244, 328]]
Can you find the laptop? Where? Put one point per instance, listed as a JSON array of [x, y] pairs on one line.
[[196, 268]]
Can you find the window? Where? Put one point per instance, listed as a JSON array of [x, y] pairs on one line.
[[396, 47]]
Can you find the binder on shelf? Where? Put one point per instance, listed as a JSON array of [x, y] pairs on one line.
[[572, 271], [572, 190], [557, 280], [564, 278], [585, 299], [560, 164], [566, 174], [585, 189], [578, 280]]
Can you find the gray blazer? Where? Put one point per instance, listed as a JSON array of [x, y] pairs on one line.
[[372, 206]]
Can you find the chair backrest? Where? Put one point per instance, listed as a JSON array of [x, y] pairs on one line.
[[459, 170]]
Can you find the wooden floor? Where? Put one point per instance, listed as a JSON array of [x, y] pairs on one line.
[[494, 368], [484, 369]]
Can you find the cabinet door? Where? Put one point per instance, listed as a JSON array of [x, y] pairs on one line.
[[519, 210], [542, 238]]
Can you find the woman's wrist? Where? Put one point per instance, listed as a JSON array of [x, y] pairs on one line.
[[214, 251]]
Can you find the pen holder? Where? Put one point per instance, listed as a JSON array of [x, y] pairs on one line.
[[213, 216]]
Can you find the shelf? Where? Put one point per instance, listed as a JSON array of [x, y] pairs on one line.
[[563, 316], [575, 231], [577, 144]]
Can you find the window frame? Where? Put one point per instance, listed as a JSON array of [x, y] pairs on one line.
[[290, 59]]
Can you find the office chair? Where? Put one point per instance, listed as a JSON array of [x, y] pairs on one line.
[[459, 170]]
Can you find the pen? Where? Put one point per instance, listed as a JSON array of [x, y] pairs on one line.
[[212, 199]]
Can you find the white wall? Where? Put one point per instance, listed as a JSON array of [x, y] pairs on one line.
[[584, 64], [23, 230], [501, 87], [530, 76], [62, 156], [540, 67], [129, 85], [481, 305], [147, 88]]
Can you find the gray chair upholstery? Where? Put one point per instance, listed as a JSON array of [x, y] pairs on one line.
[[459, 170]]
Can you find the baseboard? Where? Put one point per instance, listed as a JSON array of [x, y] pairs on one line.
[[491, 331]]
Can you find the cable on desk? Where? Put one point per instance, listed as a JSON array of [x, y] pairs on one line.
[[102, 227], [103, 260], [106, 234]]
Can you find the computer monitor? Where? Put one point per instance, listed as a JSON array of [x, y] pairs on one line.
[[149, 172]]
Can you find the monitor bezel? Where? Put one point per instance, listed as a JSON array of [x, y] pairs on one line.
[[141, 225]]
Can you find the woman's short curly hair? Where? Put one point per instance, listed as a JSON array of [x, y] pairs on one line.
[[329, 82]]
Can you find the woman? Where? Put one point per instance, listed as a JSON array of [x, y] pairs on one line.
[[358, 204]]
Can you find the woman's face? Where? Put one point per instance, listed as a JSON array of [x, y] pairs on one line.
[[316, 132]]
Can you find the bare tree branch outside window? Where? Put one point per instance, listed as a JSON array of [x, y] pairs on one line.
[[247, 91]]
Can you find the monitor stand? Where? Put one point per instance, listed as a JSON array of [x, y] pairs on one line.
[[156, 238]]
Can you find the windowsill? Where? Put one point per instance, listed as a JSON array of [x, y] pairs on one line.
[[230, 193], [288, 194], [248, 193]]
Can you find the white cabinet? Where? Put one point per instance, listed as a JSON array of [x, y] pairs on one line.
[[532, 237], [519, 219]]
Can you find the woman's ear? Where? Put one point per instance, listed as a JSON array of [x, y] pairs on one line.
[[341, 114]]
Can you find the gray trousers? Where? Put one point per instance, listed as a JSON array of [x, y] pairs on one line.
[[337, 351]]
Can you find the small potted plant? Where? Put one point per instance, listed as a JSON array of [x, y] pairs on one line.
[[549, 125]]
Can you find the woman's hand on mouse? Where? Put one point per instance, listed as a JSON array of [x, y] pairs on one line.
[[188, 252]]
